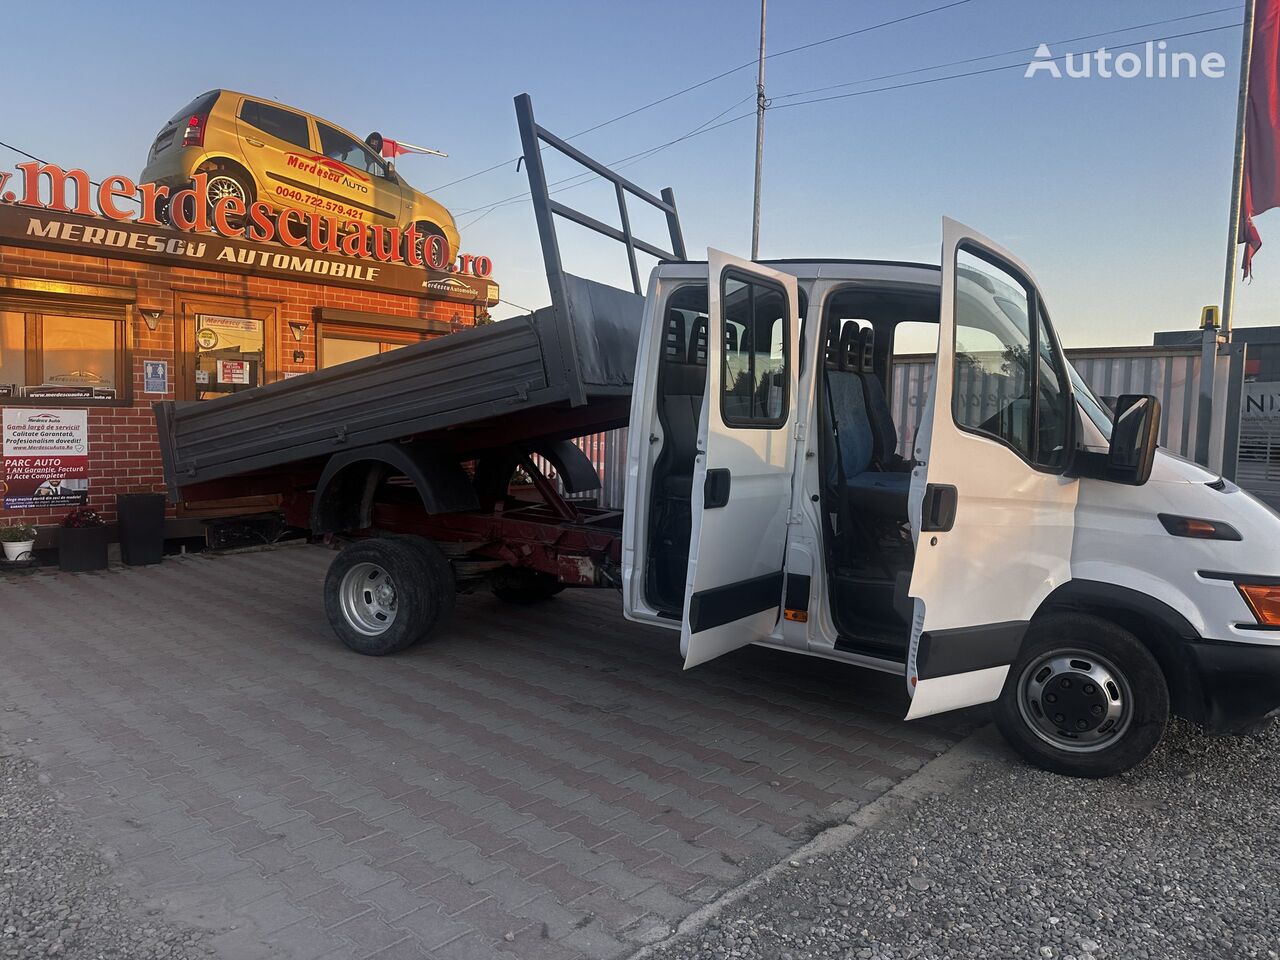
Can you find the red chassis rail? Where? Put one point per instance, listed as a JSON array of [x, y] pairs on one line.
[[578, 544]]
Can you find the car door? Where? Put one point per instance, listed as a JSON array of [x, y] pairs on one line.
[[357, 180], [276, 146], [992, 511], [743, 469]]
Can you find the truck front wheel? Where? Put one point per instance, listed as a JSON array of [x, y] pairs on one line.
[[381, 596], [1085, 698]]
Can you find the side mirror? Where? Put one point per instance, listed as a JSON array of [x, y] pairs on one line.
[[1133, 439], [374, 142]]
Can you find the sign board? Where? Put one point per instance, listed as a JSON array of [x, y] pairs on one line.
[[233, 371], [1261, 401], [45, 457], [155, 376]]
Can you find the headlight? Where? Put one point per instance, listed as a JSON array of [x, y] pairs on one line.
[[1264, 601]]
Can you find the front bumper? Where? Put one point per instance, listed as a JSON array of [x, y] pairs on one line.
[[1239, 684]]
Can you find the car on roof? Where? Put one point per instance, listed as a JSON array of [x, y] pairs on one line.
[[260, 150]]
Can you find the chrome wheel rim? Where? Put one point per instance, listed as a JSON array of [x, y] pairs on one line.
[[1075, 700], [223, 186], [368, 598]]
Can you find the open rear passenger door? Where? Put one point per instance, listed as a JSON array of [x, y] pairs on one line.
[[993, 513], [746, 451]]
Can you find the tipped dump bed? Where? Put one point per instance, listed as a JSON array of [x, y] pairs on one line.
[[550, 374]]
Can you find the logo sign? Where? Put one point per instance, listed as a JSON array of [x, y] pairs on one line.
[[45, 458], [206, 338], [155, 375], [1261, 401]]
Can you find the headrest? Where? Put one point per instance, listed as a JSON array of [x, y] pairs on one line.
[[674, 344], [849, 346], [866, 350], [833, 344]]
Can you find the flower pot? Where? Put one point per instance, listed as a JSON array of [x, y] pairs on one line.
[[18, 549], [82, 548], [141, 517]]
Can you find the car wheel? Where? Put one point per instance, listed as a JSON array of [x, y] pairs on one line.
[[427, 233], [224, 183], [1085, 698], [381, 596]]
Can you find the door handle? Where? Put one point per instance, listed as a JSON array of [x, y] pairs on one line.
[[715, 492], [939, 512], [256, 143]]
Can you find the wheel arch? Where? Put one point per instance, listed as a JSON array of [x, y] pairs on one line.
[[229, 165], [349, 483], [1159, 627]]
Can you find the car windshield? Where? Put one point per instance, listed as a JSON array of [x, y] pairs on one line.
[[1093, 408]]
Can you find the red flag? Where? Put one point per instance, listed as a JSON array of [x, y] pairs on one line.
[[1262, 128], [392, 149]]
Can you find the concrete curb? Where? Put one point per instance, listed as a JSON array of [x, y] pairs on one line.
[[942, 773]]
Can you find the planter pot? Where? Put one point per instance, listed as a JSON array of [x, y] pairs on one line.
[[18, 550], [141, 518], [82, 548]]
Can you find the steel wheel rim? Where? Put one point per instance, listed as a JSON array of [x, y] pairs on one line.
[[1075, 700], [367, 595], [223, 186]]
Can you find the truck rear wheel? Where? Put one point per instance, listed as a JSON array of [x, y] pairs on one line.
[[381, 595], [522, 585], [1085, 698]]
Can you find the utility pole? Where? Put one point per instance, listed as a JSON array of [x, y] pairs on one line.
[[760, 105]]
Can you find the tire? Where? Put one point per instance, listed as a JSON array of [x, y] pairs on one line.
[[228, 183], [441, 571], [381, 596], [1085, 698], [522, 585], [425, 232]]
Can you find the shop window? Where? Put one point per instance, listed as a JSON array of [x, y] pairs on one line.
[[58, 356], [229, 355], [340, 344], [340, 350]]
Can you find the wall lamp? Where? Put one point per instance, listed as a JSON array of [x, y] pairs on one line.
[[298, 329], [151, 318]]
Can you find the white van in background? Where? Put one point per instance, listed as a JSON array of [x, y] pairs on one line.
[[1032, 553]]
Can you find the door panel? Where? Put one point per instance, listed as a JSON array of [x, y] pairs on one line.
[[743, 470], [357, 180], [276, 146], [995, 544]]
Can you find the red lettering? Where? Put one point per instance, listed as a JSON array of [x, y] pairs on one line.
[[356, 242], [437, 252], [197, 196], [32, 172], [112, 189], [152, 194], [464, 263], [261, 229], [483, 267], [282, 228], [322, 233], [4, 179], [225, 208], [386, 244], [411, 252]]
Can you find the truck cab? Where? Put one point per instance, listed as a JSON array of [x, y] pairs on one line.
[[1026, 547]]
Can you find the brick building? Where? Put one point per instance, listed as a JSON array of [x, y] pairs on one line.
[[110, 333]]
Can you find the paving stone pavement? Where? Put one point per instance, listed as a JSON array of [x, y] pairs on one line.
[[539, 782]]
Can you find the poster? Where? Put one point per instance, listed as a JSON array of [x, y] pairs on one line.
[[45, 456], [155, 376], [233, 371]]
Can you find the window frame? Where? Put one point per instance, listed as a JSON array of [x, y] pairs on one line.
[[90, 304], [259, 104], [756, 423], [382, 170], [1036, 315]]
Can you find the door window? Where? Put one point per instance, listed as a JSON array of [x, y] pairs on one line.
[[338, 146], [753, 388], [282, 124], [229, 355], [998, 391]]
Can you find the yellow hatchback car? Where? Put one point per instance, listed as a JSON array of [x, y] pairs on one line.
[[260, 150]]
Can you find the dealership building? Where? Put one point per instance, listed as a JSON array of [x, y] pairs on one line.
[[100, 319]]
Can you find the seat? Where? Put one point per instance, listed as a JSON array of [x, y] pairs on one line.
[[682, 389], [882, 428]]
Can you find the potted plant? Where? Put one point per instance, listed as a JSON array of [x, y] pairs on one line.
[[83, 542], [18, 541], [141, 518]]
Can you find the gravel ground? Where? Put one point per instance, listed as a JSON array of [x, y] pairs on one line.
[[56, 894], [1177, 859]]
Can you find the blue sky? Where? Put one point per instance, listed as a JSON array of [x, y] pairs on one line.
[[1114, 191]]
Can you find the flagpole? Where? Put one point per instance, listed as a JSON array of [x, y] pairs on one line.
[[1237, 173]]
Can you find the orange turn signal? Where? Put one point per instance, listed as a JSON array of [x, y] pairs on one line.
[[796, 616], [1264, 601]]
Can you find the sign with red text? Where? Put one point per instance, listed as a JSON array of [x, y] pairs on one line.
[[45, 458]]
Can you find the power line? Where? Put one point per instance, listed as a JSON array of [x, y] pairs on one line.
[[31, 156], [713, 79], [705, 128]]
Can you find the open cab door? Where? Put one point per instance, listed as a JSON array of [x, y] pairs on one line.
[[743, 469], [992, 512]]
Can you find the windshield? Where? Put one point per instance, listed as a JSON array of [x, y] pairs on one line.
[[1093, 408]]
